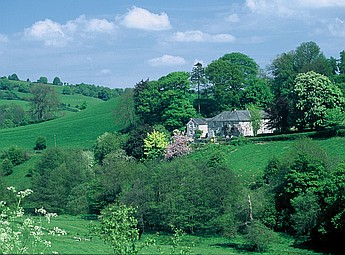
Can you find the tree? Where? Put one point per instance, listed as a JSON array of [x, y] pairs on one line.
[[43, 80], [13, 77], [179, 145], [118, 227], [255, 118], [197, 78], [258, 93], [155, 145], [44, 103], [125, 110], [165, 102], [106, 144], [57, 81], [308, 57], [7, 167], [230, 75], [314, 95], [41, 143]]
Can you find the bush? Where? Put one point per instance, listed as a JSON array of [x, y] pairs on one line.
[[7, 167], [16, 155], [41, 144], [258, 237]]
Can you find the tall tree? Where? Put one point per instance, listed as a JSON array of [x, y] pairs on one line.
[[308, 57], [230, 75], [43, 80], [197, 77], [166, 101], [44, 103], [314, 94]]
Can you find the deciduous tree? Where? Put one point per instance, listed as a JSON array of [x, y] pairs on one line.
[[44, 103], [314, 94]]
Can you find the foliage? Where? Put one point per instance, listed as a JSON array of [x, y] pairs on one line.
[[6, 167], [314, 95], [89, 90], [44, 102], [229, 75], [255, 117], [49, 177], [259, 237], [106, 144], [43, 80], [166, 101], [198, 79], [125, 109], [57, 81], [16, 155], [40, 144], [155, 145], [13, 77], [135, 144], [118, 227], [179, 145], [258, 93], [12, 115], [20, 234]]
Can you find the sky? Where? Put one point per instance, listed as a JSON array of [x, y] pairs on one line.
[[118, 43]]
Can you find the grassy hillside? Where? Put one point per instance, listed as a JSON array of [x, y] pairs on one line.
[[77, 129]]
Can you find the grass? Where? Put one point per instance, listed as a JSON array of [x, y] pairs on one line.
[[79, 241], [75, 130]]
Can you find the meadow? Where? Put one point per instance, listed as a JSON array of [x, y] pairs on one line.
[[79, 129]]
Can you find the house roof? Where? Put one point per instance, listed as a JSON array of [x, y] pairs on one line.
[[237, 115], [200, 121]]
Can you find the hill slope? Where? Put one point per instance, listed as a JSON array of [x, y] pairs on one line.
[[78, 130]]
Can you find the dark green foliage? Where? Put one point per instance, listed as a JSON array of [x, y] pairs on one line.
[[89, 90], [108, 143], [196, 195], [44, 102], [230, 75], [16, 155], [13, 77], [12, 115], [41, 143], [166, 101], [6, 167], [135, 144], [56, 174], [43, 80], [259, 237], [57, 81]]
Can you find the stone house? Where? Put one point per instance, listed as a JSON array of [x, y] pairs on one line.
[[227, 124]]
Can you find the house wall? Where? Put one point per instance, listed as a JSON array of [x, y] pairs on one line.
[[192, 127], [264, 129]]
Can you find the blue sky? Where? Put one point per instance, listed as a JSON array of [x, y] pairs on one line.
[[118, 43]]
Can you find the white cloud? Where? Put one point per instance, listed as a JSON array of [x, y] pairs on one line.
[[199, 36], [290, 8], [3, 38], [143, 19], [337, 27], [233, 18], [167, 60], [55, 34]]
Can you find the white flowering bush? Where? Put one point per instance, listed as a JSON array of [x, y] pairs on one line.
[[20, 234]]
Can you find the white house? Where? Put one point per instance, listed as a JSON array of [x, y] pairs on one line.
[[228, 123]]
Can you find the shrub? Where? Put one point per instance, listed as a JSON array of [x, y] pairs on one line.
[[41, 144], [258, 237], [16, 155], [7, 167]]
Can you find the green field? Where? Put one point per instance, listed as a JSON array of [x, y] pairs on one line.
[[79, 240], [74, 130]]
